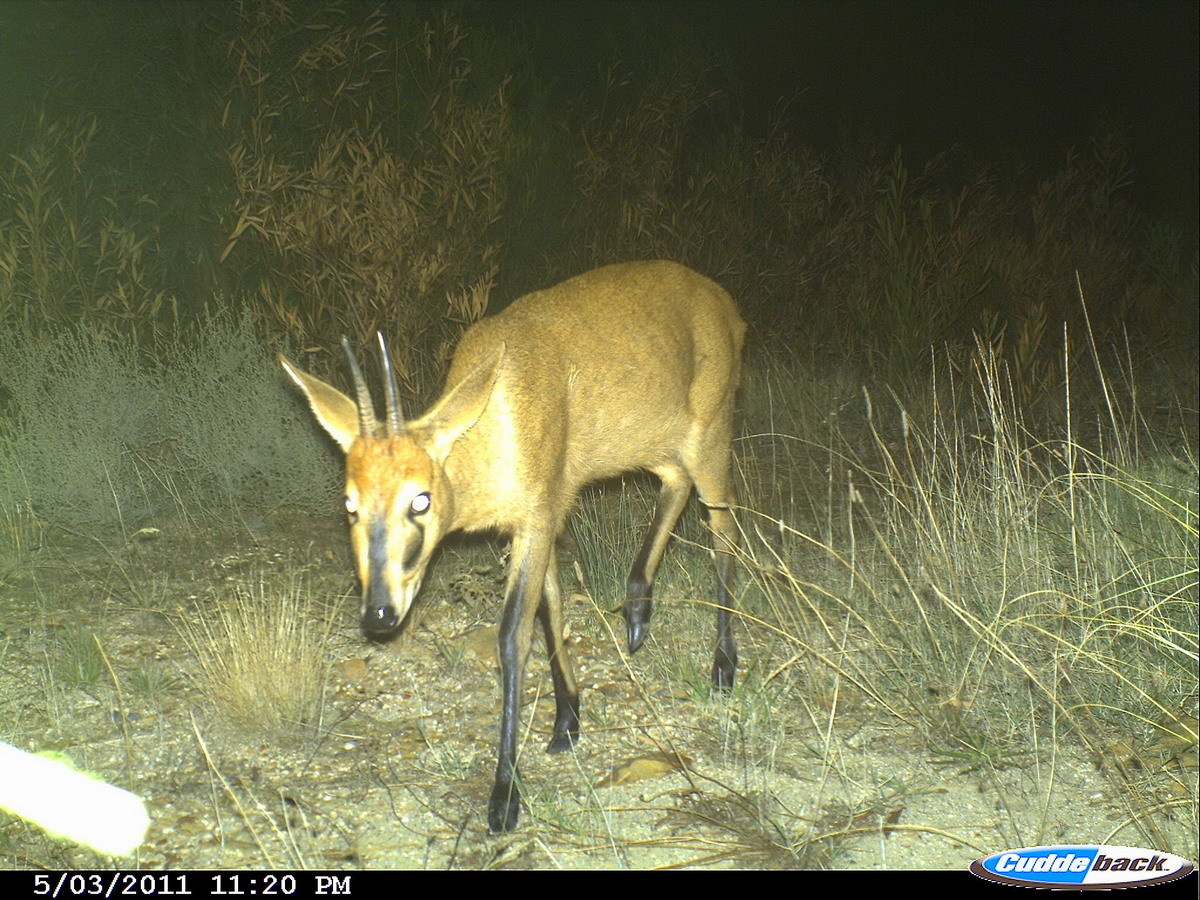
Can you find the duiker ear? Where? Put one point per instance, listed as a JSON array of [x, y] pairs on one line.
[[460, 407], [336, 412]]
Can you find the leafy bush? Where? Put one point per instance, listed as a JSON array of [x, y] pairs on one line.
[[235, 428]]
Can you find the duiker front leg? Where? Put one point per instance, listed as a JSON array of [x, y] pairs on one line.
[[526, 578]]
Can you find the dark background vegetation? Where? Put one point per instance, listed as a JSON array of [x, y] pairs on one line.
[[870, 180], [874, 182], [1016, 81]]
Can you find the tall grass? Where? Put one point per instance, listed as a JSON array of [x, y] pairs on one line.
[[100, 436], [1007, 592], [67, 254]]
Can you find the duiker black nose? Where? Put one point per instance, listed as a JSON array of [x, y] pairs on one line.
[[380, 621]]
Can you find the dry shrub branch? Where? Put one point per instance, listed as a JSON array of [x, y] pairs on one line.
[[67, 252], [367, 161]]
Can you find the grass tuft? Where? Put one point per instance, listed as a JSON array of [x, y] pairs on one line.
[[261, 652]]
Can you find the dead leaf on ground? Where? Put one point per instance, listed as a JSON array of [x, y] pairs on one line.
[[481, 644], [354, 669], [643, 768]]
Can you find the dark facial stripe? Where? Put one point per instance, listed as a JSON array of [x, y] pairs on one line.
[[413, 551], [377, 554]]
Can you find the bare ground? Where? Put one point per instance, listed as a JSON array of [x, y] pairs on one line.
[[396, 769]]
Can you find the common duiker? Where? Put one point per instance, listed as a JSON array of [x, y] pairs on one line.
[[631, 366]]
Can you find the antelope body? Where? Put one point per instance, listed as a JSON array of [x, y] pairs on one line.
[[630, 366]]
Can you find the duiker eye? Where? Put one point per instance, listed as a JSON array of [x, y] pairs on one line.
[[420, 504]]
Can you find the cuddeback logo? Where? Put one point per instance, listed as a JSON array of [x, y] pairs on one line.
[[1105, 867]]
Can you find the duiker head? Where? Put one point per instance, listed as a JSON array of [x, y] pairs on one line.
[[398, 499]]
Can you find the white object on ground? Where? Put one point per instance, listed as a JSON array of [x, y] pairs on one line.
[[71, 804]]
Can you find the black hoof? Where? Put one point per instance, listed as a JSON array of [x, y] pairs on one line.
[[566, 726], [637, 622], [504, 809], [562, 741]]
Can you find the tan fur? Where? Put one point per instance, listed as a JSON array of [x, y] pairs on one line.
[[630, 366]]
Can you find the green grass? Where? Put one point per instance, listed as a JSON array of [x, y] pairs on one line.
[[21, 536], [79, 662]]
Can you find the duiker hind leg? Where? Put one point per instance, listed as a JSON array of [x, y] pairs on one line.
[[566, 695], [725, 541], [676, 488], [713, 476]]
